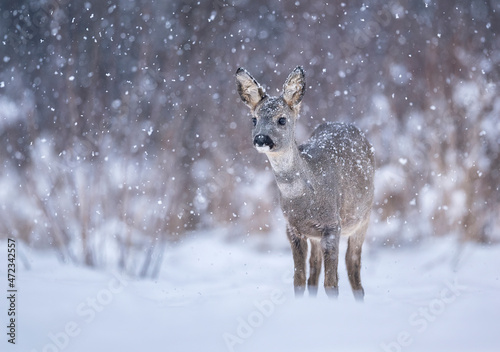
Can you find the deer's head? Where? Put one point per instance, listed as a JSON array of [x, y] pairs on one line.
[[273, 118]]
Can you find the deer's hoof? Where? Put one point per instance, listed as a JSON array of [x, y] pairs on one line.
[[299, 291], [359, 295], [313, 290], [332, 292]]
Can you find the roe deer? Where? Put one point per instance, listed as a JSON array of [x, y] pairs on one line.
[[325, 185]]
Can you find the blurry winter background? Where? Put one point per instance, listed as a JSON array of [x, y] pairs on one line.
[[121, 132], [121, 128]]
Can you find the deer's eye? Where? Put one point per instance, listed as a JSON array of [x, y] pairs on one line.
[[254, 121], [282, 121]]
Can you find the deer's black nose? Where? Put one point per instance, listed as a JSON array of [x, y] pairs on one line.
[[262, 140]]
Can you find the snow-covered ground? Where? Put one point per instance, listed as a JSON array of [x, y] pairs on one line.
[[218, 296]]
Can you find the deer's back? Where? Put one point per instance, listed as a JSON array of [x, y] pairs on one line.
[[342, 162]]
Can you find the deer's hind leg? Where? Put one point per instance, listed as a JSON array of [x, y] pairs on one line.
[[314, 267], [353, 262]]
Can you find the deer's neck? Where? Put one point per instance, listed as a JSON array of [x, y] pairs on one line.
[[291, 171]]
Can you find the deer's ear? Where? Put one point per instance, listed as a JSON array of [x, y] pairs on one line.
[[294, 88], [249, 89]]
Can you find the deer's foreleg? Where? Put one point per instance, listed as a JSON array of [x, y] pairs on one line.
[[314, 267], [299, 252], [330, 246]]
